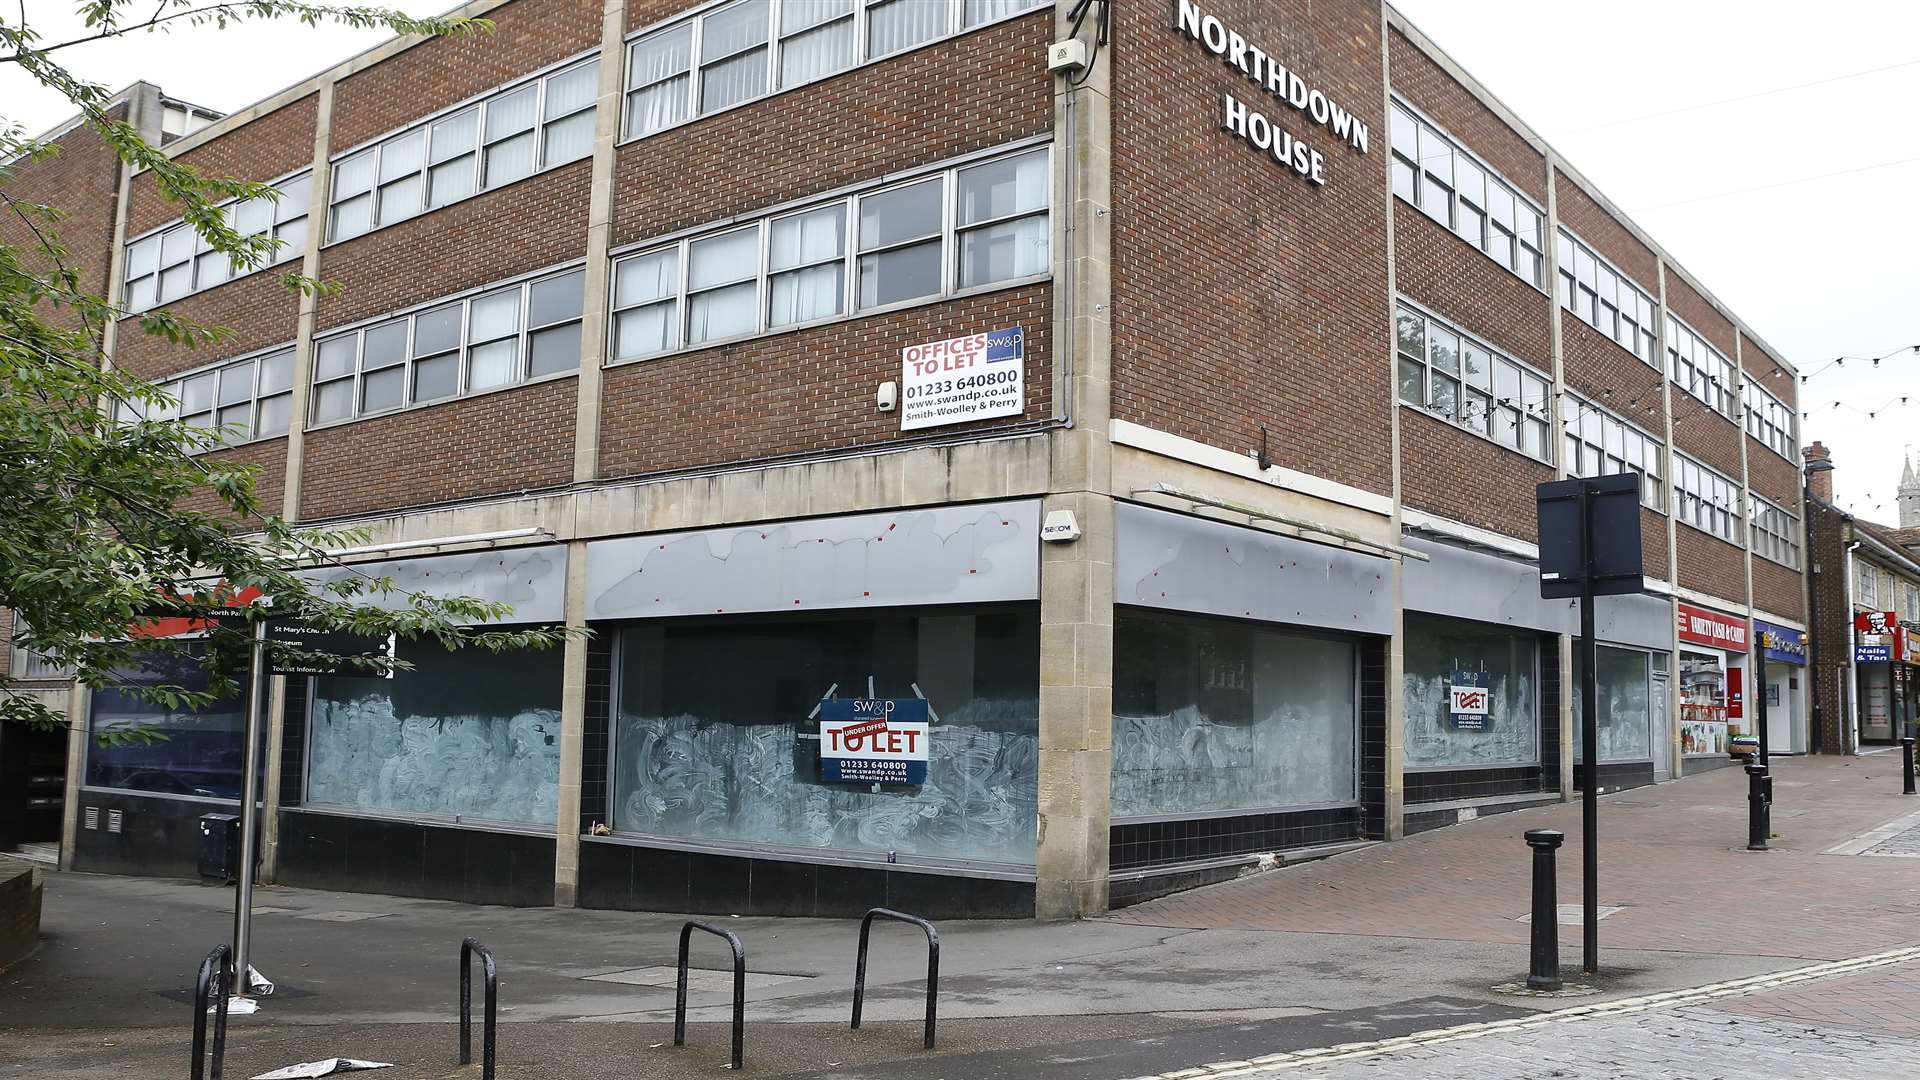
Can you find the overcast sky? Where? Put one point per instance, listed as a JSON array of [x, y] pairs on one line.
[[1789, 206]]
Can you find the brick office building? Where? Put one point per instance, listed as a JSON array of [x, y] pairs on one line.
[[765, 338]]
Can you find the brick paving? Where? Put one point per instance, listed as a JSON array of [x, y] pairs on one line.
[[1672, 856]]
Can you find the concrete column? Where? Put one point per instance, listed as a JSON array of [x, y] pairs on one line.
[[593, 325], [270, 791], [1076, 579], [1677, 757], [1567, 691], [573, 726], [309, 303], [1394, 755], [78, 700], [1556, 433]]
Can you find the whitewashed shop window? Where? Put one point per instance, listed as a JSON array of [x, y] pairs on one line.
[[1598, 443], [1775, 533], [1509, 734], [514, 132], [1606, 299], [465, 345], [468, 734], [1211, 715], [1623, 684], [174, 260], [1770, 420], [243, 399], [716, 725], [1471, 385], [720, 56], [1436, 174], [1699, 368], [1705, 499], [955, 229]]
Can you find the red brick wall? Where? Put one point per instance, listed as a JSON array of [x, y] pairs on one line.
[[1604, 233], [1466, 288], [807, 390], [263, 149], [1653, 545], [507, 441], [268, 459], [1601, 371], [1695, 311], [258, 311], [1705, 435], [83, 181], [1710, 564], [1447, 471], [524, 226], [816, 138], [1779, 589], [1244, 295], [527, 36], [1431, 90], [1769, 474]]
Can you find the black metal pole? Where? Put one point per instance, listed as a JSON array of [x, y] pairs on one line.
[[1756, 807], [1543, 968], [1760, 690], [1590, 749], [1906, 764]]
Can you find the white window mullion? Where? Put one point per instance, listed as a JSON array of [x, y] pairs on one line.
[[540, 126], [682, 306], [526, 332], [695, 42], [762, 286], [955, 16], [774, 45], [949, 242]]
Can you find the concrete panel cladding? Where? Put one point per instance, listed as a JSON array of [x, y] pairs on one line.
[[1248, 292], [945, 555]]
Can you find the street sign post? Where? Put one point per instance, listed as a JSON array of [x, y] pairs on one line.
[[1590, 546]]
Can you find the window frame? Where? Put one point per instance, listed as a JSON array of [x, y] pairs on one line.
[[850, 197], [1521, 201], [1569, 290], [522, 336], [1761, 407], [30, 665], [1574, 408], [478, 103], [1495, 356], [1678, 332], [175, 384], [1701, 508], [1773, 532], [956, 25], [196, 247]]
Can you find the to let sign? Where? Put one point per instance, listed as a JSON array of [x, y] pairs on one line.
[[1702, 626], [1468, 700], [873, 741], [963, 378]]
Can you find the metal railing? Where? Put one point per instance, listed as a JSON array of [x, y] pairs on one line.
[[739, 990], [491, 972], [216, 975], [933, 964]]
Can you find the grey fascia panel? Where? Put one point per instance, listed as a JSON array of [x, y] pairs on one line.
[[532, 579], [1482, 586], [970, 554], [1179, 562]]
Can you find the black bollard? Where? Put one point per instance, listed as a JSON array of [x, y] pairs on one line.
[[1543, 971], [1906, 764], [1757, 827]]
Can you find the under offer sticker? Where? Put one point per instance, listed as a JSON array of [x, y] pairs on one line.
[[873, 741]]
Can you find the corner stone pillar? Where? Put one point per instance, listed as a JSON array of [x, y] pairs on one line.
[[1076, 712]]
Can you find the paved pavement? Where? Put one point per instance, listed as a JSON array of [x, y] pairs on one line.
[[1377, 944]]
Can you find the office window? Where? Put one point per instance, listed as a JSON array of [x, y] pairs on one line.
[[1770, 420], [1866, 585], [1471, 385], [1601, 444], [1604, 298], [1776, 533], [1699, 368], [244, 399], [862, 251], [26, 663], [1911, 609], [1705, 499], [1437, 175], [724, 56], [493, 338], [175, 261], [511, 134]]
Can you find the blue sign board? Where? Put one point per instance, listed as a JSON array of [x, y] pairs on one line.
[[1781, 643], [873, 741], [1872, 654]]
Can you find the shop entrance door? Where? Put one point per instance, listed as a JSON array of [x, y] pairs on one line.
[[1662, 727], [1876, 699]]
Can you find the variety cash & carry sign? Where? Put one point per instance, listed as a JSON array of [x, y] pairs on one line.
[[873, 741], [963, 378]]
